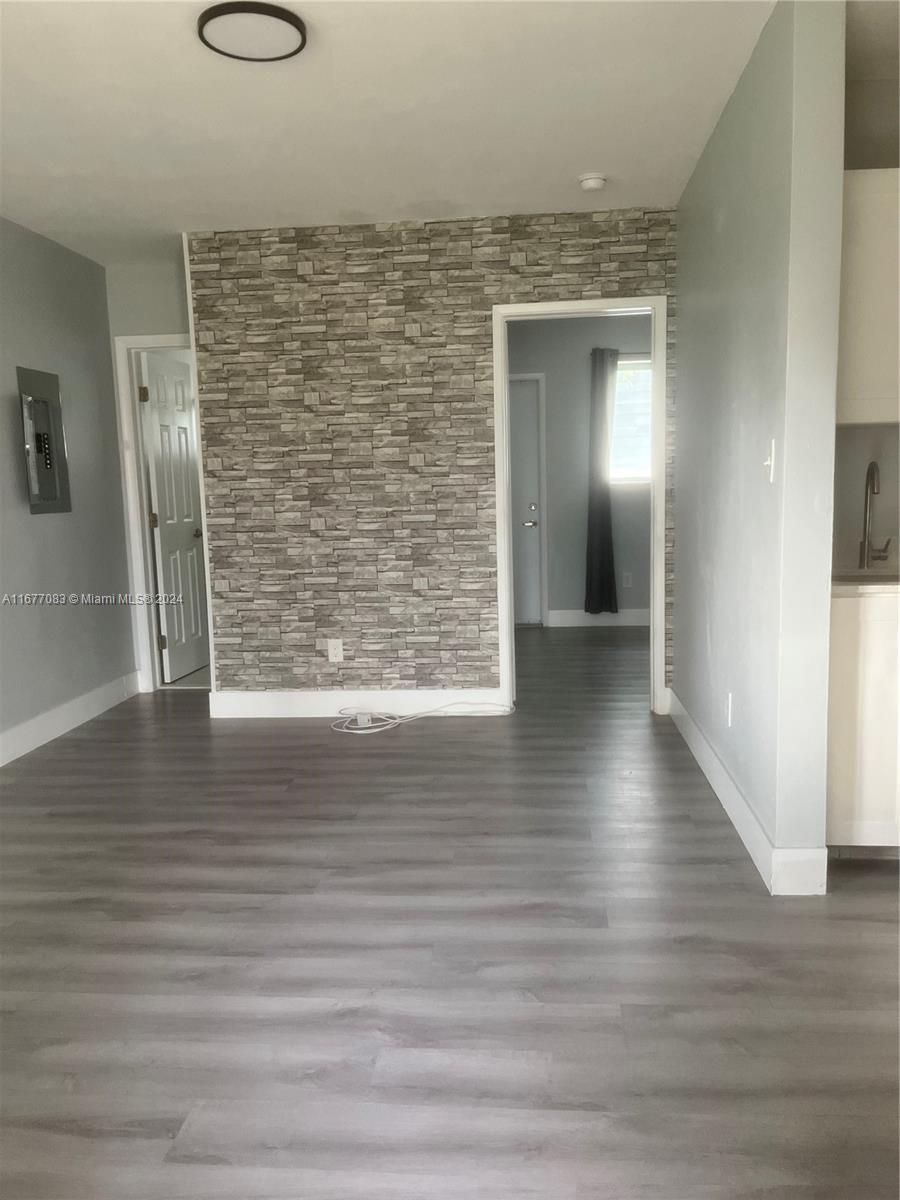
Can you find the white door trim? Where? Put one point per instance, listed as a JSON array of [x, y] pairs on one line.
[[141, 573], [656, 307], [192, 342], [540, 378]]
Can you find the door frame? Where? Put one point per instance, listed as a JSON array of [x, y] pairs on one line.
[[136, 502], [540, 378], [657, 308]]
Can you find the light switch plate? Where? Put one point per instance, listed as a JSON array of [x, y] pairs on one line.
[[770, 461], [335, 650]]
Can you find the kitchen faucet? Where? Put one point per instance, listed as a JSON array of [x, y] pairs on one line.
[[867, 552]]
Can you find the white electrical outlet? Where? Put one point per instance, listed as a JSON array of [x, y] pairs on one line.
[[729, 710], [335, 649], [626, 579]]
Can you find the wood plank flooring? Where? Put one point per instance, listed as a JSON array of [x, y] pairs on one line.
[[491, 959]]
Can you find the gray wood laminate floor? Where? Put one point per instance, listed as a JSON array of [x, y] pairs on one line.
[[489, 959]]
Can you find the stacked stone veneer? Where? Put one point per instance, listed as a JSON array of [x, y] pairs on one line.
[[346, 400]]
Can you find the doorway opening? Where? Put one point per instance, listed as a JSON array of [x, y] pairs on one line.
[[162, 475], [580, 449]]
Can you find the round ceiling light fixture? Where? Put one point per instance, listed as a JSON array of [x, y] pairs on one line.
[[252, 31], [592, 182]]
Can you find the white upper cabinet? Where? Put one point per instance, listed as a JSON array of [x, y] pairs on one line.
[[870, 276]]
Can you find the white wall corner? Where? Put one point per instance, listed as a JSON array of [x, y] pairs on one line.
[[462, 702], [22, 739], [785, 872]]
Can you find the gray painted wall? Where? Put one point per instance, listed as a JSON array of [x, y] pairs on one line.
[[734, 225], [817, 199], [758, 279], [561, 350], [855, 448], [872, 133], [148, 297], [54, 317]]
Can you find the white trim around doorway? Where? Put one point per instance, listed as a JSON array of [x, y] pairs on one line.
[[656, 308], [141, 572]]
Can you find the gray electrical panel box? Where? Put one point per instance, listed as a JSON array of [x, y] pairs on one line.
[[45, 441]]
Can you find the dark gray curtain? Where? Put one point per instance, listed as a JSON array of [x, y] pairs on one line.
[[600, 579]]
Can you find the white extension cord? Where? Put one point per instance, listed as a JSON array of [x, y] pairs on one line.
[[362, 720]]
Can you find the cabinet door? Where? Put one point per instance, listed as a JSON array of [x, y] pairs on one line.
[[868, 346], [863, 795]]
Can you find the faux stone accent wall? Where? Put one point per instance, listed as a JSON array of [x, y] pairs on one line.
[[346, 401]]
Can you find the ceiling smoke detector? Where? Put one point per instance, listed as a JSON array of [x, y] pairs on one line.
[[252, 31], [592, 182]]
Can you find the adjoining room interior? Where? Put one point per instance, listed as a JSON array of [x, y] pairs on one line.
[[580, 400], [448, 627]]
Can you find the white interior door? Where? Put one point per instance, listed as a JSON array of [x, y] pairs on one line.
[[169, 426], [525, 464]]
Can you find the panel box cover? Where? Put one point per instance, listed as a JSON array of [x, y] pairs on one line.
[[46, 467]]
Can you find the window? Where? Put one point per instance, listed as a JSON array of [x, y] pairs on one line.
[[629, 453]]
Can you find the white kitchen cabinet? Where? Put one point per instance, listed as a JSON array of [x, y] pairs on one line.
[[863, 780], [870, 281]]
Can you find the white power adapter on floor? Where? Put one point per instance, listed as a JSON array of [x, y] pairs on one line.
[[355, 720]]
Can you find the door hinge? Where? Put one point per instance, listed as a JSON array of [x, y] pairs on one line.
[[143, 394], [154, 520], [163, 642]]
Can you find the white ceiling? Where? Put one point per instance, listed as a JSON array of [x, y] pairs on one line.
[[120, 129]]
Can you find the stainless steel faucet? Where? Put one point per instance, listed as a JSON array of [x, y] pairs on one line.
[[867, 552]]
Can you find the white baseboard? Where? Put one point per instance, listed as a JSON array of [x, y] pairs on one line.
[[23, 738], [563, 617], [785, 872], [467, 702], [863, 833]]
